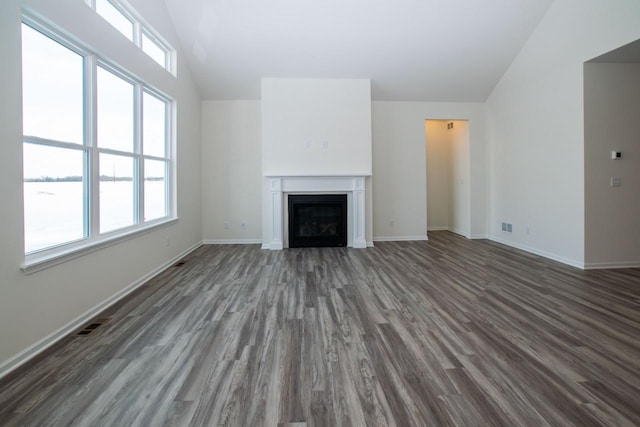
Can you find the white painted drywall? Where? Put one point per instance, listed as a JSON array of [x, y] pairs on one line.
[[459, 213], [231, 171], [536, 121], [438, 174], [399, 166], [33, 307], [316, 127], [611, 114]]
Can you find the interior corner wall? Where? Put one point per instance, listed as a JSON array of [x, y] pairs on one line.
[[36, 309], [535, 115], [231, 171], [612, 217], [438, 175], [399, 166], [459, 212]]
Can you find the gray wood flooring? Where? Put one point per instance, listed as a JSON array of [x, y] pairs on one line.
[[448, 332]]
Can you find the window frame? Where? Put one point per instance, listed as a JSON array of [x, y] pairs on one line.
[[140, 28], [94, 240]]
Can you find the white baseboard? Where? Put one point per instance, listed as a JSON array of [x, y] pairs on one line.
[[33, 350], [458, 232], [398, 238], [555, 257], [232, 242], [608, 265], [266, 246], [453, 230], [479, 236]]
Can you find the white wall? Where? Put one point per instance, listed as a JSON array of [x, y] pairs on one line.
[[231, 171], [612, 215], [536, 121], [316, 126], [459, 213], [399, 166], [438, 174], [36, 308]]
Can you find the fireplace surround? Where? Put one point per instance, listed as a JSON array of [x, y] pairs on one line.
[[280, 187]]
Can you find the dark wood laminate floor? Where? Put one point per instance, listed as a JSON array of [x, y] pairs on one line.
[[438, 333]]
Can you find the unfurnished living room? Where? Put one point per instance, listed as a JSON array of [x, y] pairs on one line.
[[306, 213]]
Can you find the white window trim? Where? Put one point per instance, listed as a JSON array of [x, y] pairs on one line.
[[58, 254], [141, 26], [53, 256]]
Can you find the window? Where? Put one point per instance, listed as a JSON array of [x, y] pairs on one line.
[[115, 17], [154, 49], [96, 147], [123, 18], [55, 158]]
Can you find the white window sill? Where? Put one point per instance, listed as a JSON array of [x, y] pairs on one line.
[[42, 260]]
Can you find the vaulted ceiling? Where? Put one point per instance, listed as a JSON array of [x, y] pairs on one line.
[[412, 50]]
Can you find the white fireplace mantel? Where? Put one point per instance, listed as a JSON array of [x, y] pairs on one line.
[[352, 185]]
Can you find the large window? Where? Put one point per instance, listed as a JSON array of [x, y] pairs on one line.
[[96, 147]]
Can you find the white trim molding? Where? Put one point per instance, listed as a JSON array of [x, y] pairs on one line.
[[38, 347], [611, 265], [545, 254], [351, 185], [232, 242], [399, 238]]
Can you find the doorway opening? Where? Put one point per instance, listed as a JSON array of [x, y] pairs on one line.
[[448, 172], [612, 158]]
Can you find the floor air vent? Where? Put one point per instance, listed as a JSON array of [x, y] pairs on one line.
[[91, 327], [179, 263]]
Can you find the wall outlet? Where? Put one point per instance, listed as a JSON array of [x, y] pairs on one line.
[[616, 181], [243, 226]]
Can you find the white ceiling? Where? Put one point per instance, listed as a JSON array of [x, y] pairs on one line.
[[412, 50]]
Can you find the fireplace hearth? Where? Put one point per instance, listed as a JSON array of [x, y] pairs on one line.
[[317, 220]]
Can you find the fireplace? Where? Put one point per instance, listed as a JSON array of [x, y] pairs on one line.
[[279, 188], [317, 220]]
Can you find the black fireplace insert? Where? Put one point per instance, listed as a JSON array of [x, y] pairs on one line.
[[317, 220]]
